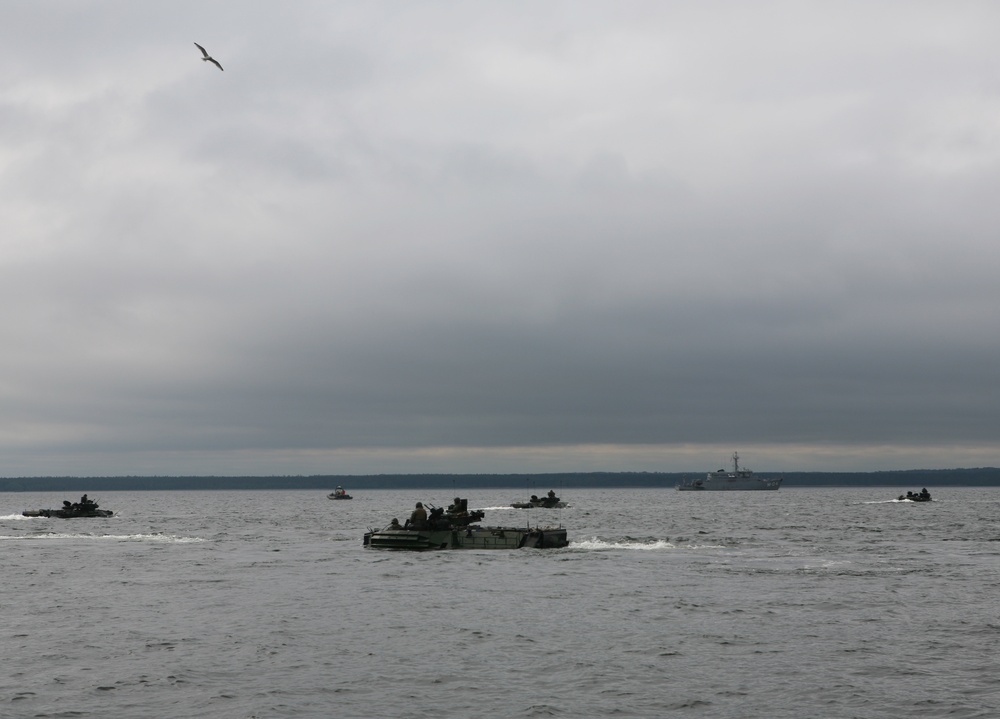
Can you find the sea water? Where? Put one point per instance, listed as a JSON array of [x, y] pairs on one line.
[[817, 602]]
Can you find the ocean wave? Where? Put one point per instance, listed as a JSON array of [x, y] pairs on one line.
[[150, 538], [644, 545], [890, 501], [20, 517]]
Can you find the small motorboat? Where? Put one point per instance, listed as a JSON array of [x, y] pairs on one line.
[[550, 501], [338, 493], [71, 510]]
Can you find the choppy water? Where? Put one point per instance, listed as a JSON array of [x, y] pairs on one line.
[[799, 603]]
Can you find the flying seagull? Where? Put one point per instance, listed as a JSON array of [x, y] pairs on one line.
[[208, 58]]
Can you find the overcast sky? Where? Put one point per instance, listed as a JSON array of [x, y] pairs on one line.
[[477, 237]]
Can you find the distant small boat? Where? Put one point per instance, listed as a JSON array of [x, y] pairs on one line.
[[721, 480], [549, 502], [923, 496], [338, 493]]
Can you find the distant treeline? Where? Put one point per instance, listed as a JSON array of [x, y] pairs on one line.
[[917, 478]]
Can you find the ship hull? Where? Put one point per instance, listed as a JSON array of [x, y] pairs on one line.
[[67, 514], [736, 485], [467, 538]]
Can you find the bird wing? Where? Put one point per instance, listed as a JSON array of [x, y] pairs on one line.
[[203, 50], [215, 62]]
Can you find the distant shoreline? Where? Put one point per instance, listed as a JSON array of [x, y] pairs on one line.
[[978, 477]]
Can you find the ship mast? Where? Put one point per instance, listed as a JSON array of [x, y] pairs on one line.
[[736, 463]]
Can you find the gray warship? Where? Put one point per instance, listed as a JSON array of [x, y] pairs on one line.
[[740, 479], [457, 529]]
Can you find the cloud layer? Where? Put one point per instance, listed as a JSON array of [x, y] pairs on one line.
[[483, 237]]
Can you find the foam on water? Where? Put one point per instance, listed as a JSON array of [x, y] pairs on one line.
[[895, 501], [600, 544], [501, 508], [151, 538]]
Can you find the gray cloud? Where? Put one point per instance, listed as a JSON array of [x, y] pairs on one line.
[[473, 237]]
